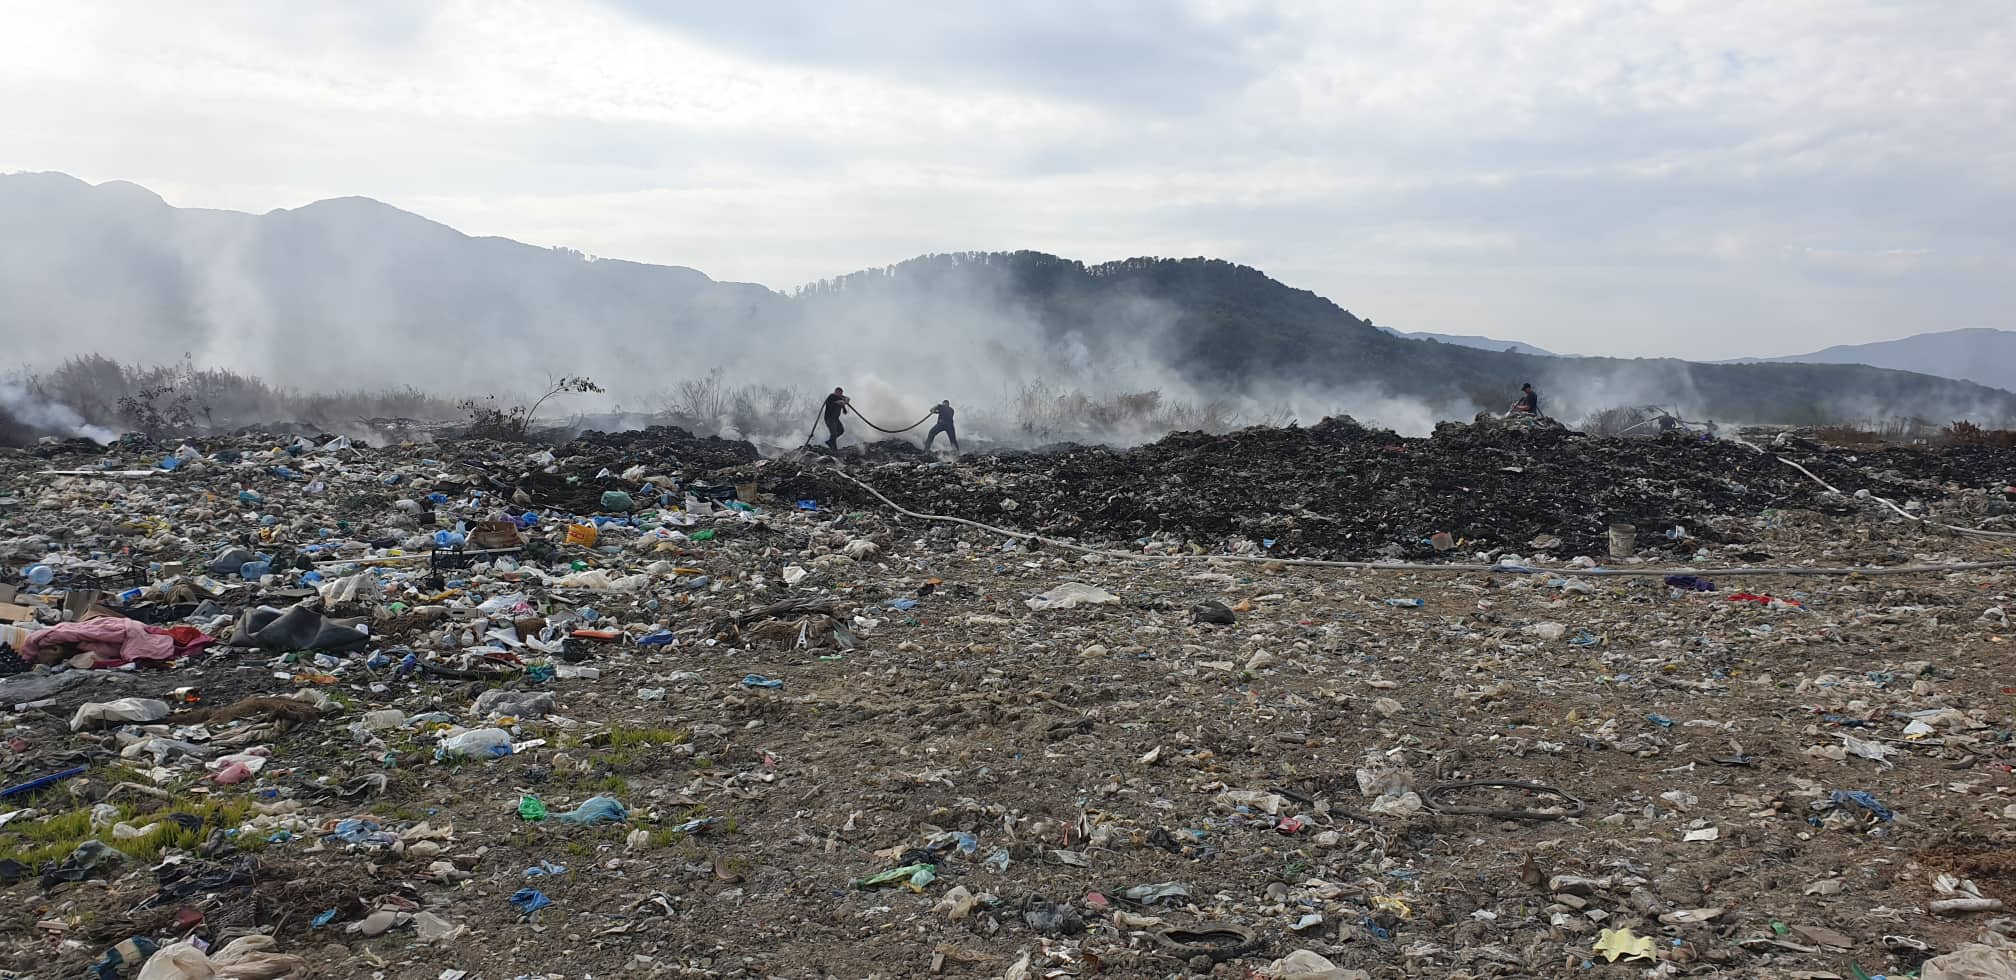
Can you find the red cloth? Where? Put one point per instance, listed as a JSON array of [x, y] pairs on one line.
[[1760, 599], [114, 642]]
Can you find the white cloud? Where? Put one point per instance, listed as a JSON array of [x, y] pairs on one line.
[[1538, 171]]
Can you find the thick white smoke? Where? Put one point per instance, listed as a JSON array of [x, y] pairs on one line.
[[47, 417]]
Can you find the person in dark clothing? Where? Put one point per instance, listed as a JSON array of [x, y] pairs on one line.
[[837, 404], [1529, 400], [944, 412]]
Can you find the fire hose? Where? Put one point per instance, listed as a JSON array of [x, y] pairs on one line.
[[868, 422], [1887, 502], [1391, 566]]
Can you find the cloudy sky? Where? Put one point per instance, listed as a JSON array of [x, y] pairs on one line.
[[1705, 179]]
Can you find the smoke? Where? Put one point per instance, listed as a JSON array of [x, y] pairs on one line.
[[22, 410], [351, 295]]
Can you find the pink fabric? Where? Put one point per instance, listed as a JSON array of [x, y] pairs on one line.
[[112, 640]]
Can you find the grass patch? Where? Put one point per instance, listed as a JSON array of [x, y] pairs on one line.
[[623, 749], [622, 737], [51, 839]]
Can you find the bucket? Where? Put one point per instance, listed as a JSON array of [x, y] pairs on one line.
[[1623, 540]]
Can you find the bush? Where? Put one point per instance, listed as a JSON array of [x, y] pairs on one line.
[[490, 419]]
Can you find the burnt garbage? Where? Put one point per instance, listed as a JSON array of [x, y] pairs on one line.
[[1340, 490]]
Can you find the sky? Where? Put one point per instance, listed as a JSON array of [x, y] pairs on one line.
[[1638, 177]]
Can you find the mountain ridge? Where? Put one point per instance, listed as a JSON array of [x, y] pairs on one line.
[[349, 292], [1983, 355], [1473, 340]]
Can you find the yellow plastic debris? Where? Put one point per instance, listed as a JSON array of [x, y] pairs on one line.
[[1618, 944], [1387, 903]]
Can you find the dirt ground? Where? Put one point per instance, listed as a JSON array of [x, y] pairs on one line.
[[1288, 776]]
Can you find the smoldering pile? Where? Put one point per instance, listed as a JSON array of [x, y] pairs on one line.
[[1340, 490]]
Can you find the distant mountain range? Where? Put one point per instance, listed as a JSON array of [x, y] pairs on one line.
[[1471, 340], [1982, 355], [1979, 354], [352, 293]]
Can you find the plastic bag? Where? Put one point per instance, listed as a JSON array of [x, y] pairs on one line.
[[1976, 962], [1071, 595], [120, 712], [594, 810], [245, 958], [477, 743]]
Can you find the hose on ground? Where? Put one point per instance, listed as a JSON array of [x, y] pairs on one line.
[[1389, 566], [1887, 502], [1432, 798]]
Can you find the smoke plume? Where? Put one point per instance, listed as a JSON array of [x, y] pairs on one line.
[[22, 413]]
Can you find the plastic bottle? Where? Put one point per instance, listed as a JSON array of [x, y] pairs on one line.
[[39, 574], [253, 571]]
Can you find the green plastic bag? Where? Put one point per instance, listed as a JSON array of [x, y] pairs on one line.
[[530, 808], [911, 876]]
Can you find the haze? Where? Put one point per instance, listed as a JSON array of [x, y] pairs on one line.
[[1697, 179]]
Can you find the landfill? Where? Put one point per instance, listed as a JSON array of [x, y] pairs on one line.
[[1316, 702]]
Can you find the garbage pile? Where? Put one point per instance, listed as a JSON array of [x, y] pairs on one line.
[[648, 703], [1339, 490]]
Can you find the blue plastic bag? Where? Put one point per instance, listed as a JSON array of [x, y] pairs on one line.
[[596, 809]]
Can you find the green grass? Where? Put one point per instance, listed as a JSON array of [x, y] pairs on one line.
[[627, 749], [622, 737], [51, 839]]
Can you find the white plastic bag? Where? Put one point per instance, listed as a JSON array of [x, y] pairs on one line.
[[120, 712], [244, 958], [1071, 595]]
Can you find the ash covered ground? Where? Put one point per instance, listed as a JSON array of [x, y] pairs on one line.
[[727, 733]]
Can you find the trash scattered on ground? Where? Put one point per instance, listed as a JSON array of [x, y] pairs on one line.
[[625, 704]]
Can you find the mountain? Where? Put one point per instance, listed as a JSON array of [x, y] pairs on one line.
[[1979, 354], [1230, 330], [337, 294], [1472, 340], [352, 293]]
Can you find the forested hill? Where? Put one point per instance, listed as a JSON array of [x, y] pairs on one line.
[[353, 293], [1219, 323]]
